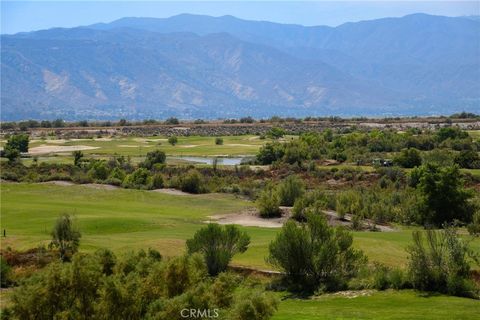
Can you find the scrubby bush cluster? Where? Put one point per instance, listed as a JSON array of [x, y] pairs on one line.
[[138, 285], [363, 147]]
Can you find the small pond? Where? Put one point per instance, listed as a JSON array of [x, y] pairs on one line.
[[209, 160]]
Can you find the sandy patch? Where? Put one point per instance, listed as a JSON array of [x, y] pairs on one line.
[[239, 145], [174, 192], [349, 294], [248, 218], [55, 149], [59, 183], [254, 138], [99, 186], [103, 139], [129, 146], [189, 146]]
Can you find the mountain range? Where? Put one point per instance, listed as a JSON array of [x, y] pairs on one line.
[[193, 66]]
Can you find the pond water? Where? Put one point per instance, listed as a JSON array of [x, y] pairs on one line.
[[209, 160]]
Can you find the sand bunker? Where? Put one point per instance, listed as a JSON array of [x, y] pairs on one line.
[[189, 146], [249, 218], [239, 145], [174, 192], [59, 183], [55, 149]]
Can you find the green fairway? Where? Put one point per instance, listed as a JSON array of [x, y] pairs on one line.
[[123, 219], [136, 146], [118, 219], [391, 305]]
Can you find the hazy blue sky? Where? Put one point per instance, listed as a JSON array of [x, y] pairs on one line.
[[34, 15]]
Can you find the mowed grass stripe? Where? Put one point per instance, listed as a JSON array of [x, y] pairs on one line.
[[124, 220]]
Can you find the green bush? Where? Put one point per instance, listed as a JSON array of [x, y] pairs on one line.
[[192, 182], [173, 140], [218, 141], [65, 237], [153, 158], [315, 256], [440, 261], [290, 190], [218, 245], [138, 179], [409, 158], [268, 203], [157, 181], [5, 272]]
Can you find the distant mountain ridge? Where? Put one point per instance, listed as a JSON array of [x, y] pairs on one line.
[[193, 66]]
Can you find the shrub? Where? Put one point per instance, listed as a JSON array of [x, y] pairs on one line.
[[269, 203], [254, 305], [172, 140], [138, 179], [157, 181], [409, 158], [98, 170], [17, 142], [153, 158], [218, 245], [315, 256], [442, 195], [439, 261], [218, 141], [5, 271], [191, 182], [65, 237], [290, 190], [316, 199], [172, 121]]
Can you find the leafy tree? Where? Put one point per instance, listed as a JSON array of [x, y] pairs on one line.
[[12, 154], [77, 157], [270, 153], [450, 133], [290, 190], [18, 142], [441, 262], [65, 237], [153, 158], [314, 255], [172, 140], [409, 158], [268, 203], [58, 123], [442, 195], [218, 245], [468, 159], [218, 141], [172, 121], [276, 133]]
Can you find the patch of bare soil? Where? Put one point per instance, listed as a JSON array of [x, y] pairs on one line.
[[55, 149], [174, 192], [249, 218], [333, 220], [100, 186], [59, 183], [349, 294]]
